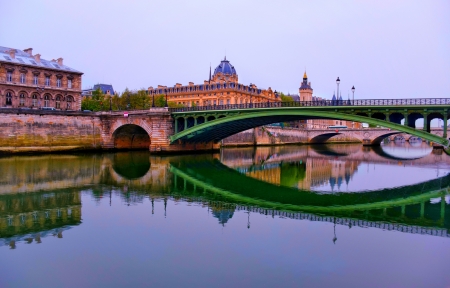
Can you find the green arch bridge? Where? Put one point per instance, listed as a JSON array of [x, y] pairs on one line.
[[202, 124]]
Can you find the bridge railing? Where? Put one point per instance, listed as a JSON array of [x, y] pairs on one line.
[[359, 102]]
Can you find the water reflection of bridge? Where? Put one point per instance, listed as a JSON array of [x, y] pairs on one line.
[[417, 208]]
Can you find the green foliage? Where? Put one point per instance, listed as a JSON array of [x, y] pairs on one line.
[[285, 98]]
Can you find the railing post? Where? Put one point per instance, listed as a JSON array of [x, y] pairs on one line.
[[195, 121], [176, 125], [406, 119], [185, 123], [425, 122], [445, 125]]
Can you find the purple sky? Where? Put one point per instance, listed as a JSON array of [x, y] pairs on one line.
[[387, 49]]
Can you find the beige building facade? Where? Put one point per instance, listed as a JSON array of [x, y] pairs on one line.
[[222, 88]]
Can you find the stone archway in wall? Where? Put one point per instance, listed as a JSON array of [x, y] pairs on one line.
[[131, 137]]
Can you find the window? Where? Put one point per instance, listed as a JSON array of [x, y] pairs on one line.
[[34, 100], [9, 77], [47, 80], [22, 78], [69, 102], [220, 102], [35, 80], [58, 102], [47, 101], [228, 101], [58, 82], [8, 98], [22, 99], [69, 83]]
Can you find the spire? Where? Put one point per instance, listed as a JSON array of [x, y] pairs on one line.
[[209, 73], [305, 76]]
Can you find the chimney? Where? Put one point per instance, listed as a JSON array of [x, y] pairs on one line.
[[12, 53], [29, 51], [37, 57], [60, 61]]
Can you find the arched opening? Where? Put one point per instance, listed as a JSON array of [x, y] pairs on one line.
[[190, 122], [180, 124], [34, 100], [131, 137], [322, 138], [211, 118], [415, 119], [200, 120], [47, 100], [438, 123], [362, 114], [396, 118], [379, 116], [221, 116], [8, 98], [58, 102], [22, 99], [69, 100]]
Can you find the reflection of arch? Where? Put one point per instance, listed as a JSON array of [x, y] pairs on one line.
[[380, 152], [131, 165], [131, 136], [323, 137], [326, 150]]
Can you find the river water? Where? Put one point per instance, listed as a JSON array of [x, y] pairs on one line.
[[294, 216]]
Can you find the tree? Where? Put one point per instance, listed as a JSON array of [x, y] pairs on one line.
[[285, 98], [95, 102]]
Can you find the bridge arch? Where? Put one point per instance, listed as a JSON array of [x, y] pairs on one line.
[[221, 128], [131, 136], [321, 138]]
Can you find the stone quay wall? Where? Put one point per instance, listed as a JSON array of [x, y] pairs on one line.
[[29, 130]]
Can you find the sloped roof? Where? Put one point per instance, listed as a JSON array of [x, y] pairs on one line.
[[104, 88], [24, 58]]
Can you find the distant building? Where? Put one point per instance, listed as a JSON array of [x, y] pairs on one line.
[[222, 88], [27, 80], [106, 89], [306, 94]]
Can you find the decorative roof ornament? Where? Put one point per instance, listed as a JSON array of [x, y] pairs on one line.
[[305, 76]]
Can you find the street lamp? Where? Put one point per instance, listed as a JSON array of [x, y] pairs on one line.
[[337, 82], [153, 99], [353, 91], [165, 91]]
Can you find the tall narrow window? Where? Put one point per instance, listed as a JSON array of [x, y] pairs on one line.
[[47, 101], [8, 98], [9, 76], [22, 78], [35, 80], [58, 82], [69, 102], [47, 80], [34, 100], [22, 99], [58, 102], [69, 83]]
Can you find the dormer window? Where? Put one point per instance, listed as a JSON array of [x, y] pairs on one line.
[[47, 80], [9, 76], [22, 78]]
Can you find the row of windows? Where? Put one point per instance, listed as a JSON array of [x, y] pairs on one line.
[[35, 102], [23, 80], [206, 87]]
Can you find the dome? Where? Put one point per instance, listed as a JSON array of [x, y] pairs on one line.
[[225, 68]]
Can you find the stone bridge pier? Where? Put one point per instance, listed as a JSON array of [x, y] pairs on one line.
[[143, 129]]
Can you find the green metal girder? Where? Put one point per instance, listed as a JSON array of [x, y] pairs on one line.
[[306, 112]]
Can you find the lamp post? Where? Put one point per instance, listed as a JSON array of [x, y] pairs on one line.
[[353, 92], [337, 82], [153, 99], [110, 103], [165, 91]]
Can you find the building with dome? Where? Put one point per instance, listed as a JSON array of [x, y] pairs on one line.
[[222, 88]]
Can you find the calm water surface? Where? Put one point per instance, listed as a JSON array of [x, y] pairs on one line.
[[295, 216]]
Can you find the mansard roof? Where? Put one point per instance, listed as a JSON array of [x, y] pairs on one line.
[[23, 58], [104, 88]]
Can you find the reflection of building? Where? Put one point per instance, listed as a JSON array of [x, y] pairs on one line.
[[306, 94], [28, 81], [32, 216], [304, 175], [221, 212], [222, 88]]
